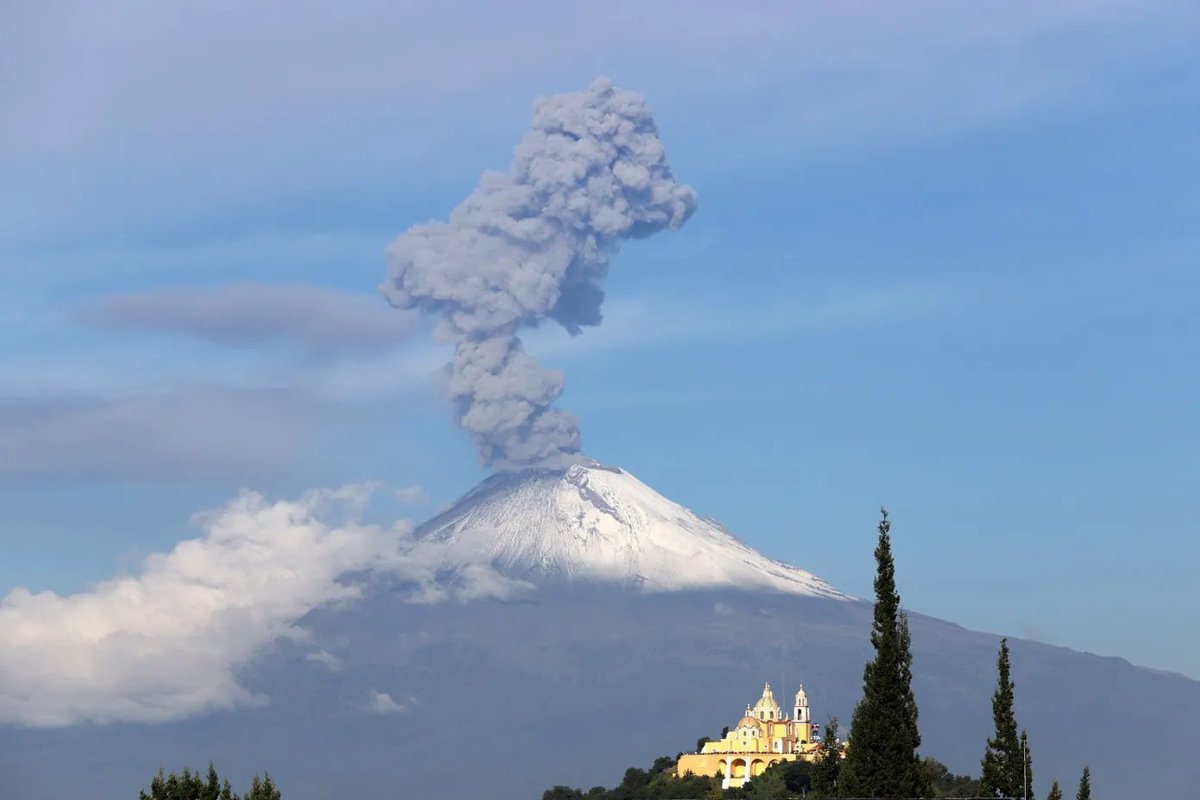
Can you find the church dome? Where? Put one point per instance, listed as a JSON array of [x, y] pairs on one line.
[[766, 707], [748, 722]]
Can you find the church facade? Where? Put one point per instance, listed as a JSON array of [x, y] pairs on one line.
[[765, 735]]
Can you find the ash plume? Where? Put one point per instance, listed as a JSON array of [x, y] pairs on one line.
[[533, 244]]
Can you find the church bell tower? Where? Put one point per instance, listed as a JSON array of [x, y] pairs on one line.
[[802, 719], [801, 715]]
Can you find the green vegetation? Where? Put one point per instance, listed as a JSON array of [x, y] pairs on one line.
[[1085, 785], [189, 785], [790, 779], [828, 765], [882, 762], [1004, 762], [943, 783]]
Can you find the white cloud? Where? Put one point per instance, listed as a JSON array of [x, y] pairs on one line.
[[170, 640], [469, 582], [325, 659], [412, 495], [382, 703]]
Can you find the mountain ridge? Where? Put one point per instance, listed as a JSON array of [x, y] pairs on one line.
[[501, 694]]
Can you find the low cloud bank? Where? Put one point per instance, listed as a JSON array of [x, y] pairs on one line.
[[171, 640]]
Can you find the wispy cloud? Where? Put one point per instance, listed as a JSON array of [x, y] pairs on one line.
[[184, 434], [248, 314], [354, 59], [412, 495], [382, 703], [274, 256], [93, 146], [644, 322], [219, 412], [325, 659]]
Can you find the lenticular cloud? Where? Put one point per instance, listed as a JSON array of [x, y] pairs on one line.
[[533, 244]]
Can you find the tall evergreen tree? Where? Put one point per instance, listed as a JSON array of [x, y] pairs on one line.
[[1085, 785], [1003, 762], [882, 759], [829, 763], [1055, 792], [910, 701]]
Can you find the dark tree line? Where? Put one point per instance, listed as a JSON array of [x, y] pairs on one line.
[[188, 785]]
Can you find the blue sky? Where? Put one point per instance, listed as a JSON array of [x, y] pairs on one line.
[[944, 261]]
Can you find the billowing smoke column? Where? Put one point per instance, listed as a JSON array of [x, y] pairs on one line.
[[532, 244]]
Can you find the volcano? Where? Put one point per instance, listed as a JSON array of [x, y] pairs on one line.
[[565, 624], [591, 522]]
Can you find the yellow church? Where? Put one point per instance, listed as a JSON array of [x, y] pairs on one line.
[[762, 737]]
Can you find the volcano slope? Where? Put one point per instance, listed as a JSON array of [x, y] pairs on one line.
[[593, 639]]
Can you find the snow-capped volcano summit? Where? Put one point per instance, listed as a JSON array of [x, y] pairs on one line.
[[591, 522]]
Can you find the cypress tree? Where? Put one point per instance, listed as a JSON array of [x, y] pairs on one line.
[[829, 763], [1055, 792], [1003, 762], [1085, 786], [882, 759], [923, 788]]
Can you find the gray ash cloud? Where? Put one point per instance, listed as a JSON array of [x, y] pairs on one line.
[[533, 244]]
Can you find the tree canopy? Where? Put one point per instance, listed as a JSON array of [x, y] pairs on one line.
[[189, 785], [828, 764]]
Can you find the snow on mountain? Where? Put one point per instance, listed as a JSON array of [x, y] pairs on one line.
[[594, 522]]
